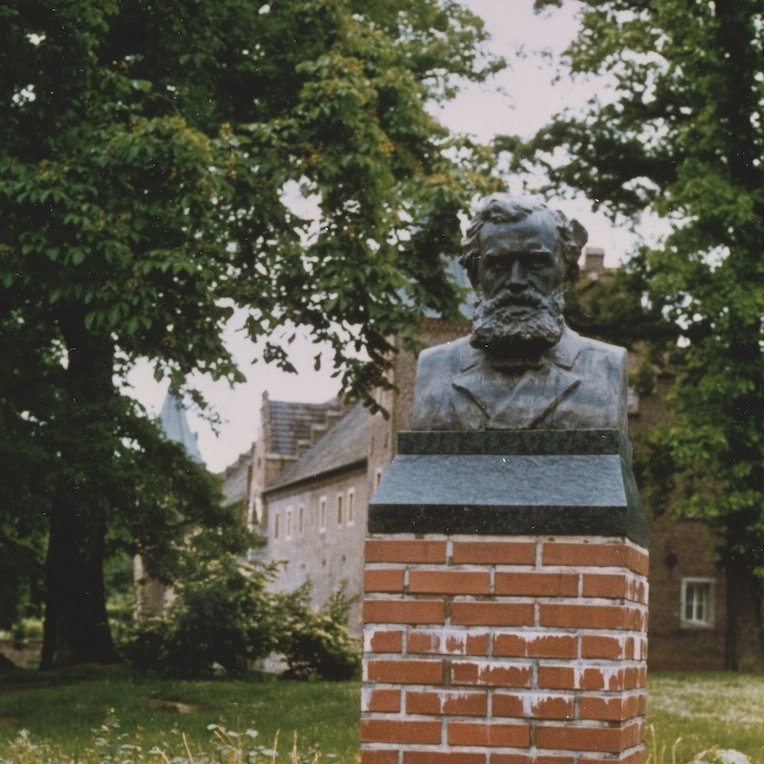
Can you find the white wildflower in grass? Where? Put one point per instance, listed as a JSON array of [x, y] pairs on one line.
[[717, 755], [108, 746], [737, 700]]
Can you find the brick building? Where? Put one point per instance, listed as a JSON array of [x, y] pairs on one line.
[[309, 476]]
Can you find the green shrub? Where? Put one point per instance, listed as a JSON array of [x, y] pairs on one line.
[[318, 644], [222, 615]]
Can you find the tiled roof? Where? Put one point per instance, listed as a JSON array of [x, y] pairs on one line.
[[291, 422], [345, 444]]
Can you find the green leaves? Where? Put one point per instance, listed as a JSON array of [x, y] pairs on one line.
[[148, 156], [681, 137], [225, 614]]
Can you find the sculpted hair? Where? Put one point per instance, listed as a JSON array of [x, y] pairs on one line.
[[502, 208]]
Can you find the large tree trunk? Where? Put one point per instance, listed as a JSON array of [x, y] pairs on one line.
[[76, 625], [745, 635]]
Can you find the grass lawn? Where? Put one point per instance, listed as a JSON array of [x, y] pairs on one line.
[[63, 707], [706, 709]]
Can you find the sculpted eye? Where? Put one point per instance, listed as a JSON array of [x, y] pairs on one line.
[[533, 264], [538, 261]]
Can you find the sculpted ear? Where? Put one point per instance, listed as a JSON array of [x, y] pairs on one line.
[[580, 236]]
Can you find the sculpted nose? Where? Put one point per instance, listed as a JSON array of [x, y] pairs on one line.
[[516, 276]]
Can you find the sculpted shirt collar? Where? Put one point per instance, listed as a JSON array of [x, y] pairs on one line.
[[531, 396]]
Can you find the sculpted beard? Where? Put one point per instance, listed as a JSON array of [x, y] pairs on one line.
[[517, 326]]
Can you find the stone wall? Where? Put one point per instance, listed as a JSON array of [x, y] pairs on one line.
[[325, 556]]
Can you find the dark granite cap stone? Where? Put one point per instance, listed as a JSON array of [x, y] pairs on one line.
[[506, 442], [511, 483]]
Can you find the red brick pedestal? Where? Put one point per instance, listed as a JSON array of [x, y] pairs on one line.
[[486, 649]]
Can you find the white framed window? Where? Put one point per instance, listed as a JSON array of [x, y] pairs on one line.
[[275, 525], [300, 519], [377, 477], [351, 506], [697, 605], [340, 508], [322, 515], [289, 524]]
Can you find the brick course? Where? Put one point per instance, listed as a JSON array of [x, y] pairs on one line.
[[488, 651]]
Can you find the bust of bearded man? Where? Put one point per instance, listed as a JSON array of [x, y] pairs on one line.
[[521, 367]]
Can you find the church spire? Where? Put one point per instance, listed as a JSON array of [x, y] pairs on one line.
[[175, 426]]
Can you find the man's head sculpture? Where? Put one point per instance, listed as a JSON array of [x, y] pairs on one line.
[[520, 258], [521, 367], [502, 209]]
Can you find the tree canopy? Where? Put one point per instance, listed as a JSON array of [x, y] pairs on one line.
[[677, 131], [148, 155]]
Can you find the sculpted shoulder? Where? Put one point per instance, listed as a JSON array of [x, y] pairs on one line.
[[603, 351], [446, 355], [596, 357], [598, 346], [600, 399], [436, 367]]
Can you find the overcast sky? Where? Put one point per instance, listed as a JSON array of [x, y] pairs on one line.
[[518, 101]]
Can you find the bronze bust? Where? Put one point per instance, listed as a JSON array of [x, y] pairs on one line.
[[521, 367]]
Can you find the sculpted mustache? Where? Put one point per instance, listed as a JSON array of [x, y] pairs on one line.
[[527, 299]]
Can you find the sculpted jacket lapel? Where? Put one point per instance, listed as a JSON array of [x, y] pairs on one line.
[[495, 404]]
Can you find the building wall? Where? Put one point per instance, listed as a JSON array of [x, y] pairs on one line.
[[328, 555], [237, 478], [684, 550], [266, 467], [679, 550]]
